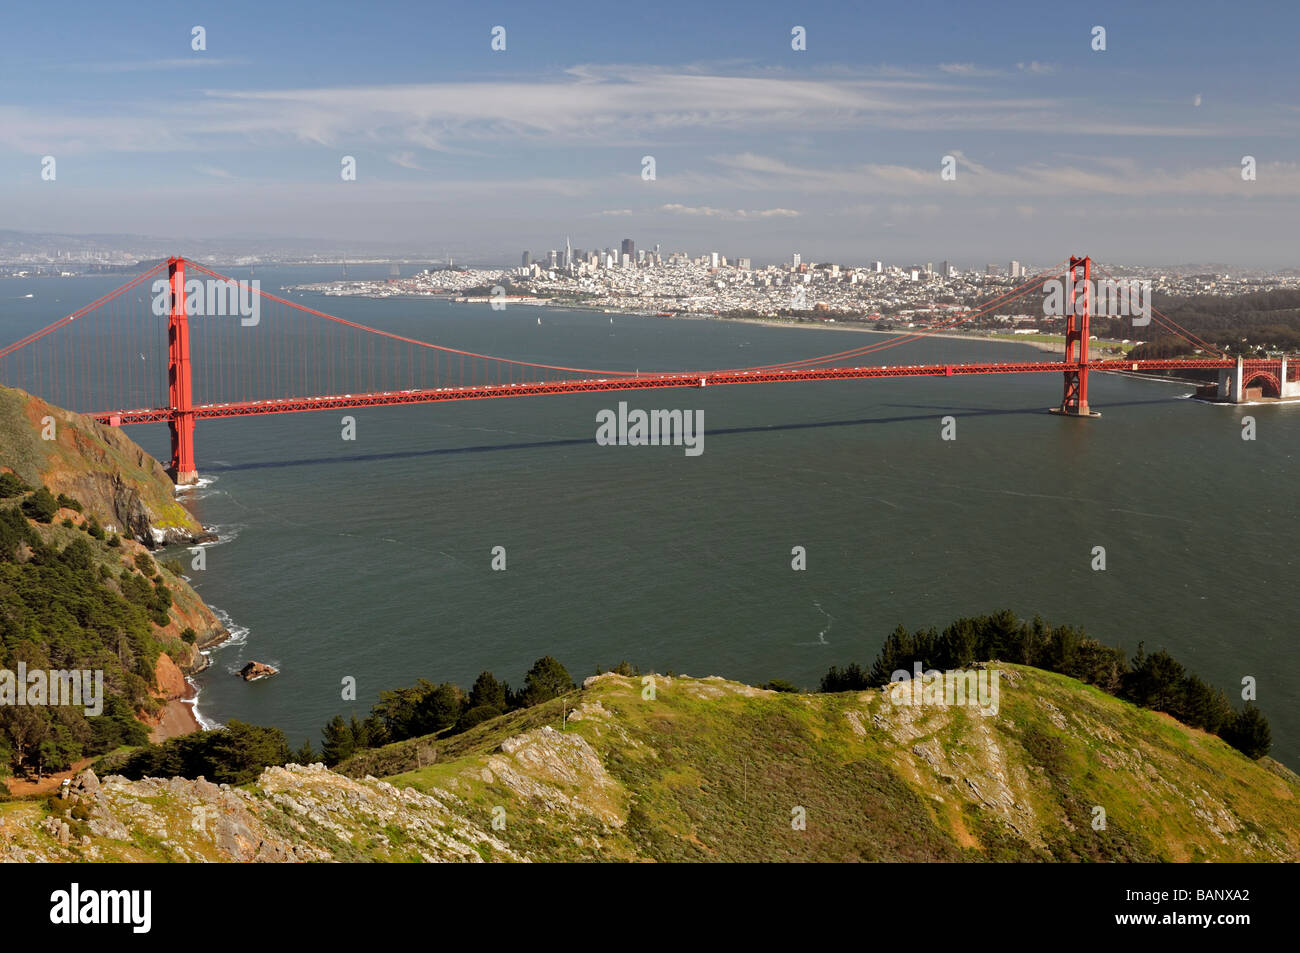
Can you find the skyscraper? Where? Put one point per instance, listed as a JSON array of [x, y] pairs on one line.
[[798, 259], [527, 259], [1014, 270], [629, 248]]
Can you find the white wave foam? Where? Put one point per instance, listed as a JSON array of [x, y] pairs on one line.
[[202, 483], [207, 724], [238, 636], [238, 633], [226, 533]]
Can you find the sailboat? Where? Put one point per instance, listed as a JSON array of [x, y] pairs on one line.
[[539, 322]]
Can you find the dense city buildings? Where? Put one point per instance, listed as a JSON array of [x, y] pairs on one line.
[[880, 295]]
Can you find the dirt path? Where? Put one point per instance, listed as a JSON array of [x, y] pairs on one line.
[[47, 784]]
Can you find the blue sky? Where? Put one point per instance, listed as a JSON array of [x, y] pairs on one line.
[[1131, 154]]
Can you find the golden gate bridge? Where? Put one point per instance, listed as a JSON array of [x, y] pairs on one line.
[[294, 358]]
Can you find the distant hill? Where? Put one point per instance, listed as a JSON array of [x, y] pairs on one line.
[[709, 769]]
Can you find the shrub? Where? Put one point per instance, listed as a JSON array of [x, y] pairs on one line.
[[10, 485], [41, 506], [477, 715]]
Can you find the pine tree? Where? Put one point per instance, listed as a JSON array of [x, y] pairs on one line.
[[337, 741], [487, 691], [547, 679], [441, 708], [360, 733], [1250, 733]]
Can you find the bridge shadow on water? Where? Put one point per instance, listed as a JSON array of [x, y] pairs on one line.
[[931, 409]]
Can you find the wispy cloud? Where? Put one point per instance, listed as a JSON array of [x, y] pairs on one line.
[[731, 214], [197, 61], [968, 69], [601, 107], [405, 159], [1111, 176]]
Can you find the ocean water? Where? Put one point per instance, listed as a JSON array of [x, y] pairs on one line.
[[371, 558]]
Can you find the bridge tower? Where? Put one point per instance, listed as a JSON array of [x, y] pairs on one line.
[[1078, 308], [179, 391]]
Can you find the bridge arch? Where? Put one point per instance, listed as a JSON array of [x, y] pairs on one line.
[[1272, 385]]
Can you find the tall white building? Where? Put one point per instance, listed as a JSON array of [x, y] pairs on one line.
[[798, 259]]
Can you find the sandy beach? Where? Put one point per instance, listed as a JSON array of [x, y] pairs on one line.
[[178, 719]]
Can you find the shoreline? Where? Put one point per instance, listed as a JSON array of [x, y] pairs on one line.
[[181, 715], [550, 303], [178, 719]]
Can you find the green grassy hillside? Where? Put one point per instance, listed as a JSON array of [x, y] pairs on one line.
[[714, 770]]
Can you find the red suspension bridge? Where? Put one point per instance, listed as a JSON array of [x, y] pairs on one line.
[[256, 353]]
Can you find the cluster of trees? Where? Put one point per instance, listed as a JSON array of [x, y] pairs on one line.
[[239, 752], [1245, 324], [235, 754], [1156, 681], [66, 608], [426, 708]]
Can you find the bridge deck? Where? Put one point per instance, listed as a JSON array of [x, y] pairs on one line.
[[651, 382]]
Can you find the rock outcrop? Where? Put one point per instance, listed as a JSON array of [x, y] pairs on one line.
[[255, 670]]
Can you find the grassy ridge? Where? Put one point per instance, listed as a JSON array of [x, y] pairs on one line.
[[711, 770], [714, 770]]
